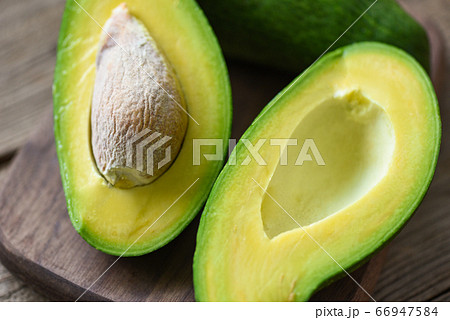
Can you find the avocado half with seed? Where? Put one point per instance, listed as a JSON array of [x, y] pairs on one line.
[[278, 231], [155, 68]]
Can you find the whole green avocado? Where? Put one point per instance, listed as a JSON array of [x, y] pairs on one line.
[[291, 34]]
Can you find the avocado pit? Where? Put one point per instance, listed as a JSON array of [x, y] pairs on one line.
[[138, 112]]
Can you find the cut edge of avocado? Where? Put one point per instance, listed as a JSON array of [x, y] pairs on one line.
[[213, 221], [85, 189]]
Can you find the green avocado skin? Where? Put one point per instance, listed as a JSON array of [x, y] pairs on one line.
[[291, 34], [225, 178]]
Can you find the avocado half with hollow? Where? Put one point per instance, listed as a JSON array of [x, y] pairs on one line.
[[128, 74], [350, 149]]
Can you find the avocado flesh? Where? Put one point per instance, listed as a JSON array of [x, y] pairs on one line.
[[373, 115], [355, 137], [112, 219], [291, 34]]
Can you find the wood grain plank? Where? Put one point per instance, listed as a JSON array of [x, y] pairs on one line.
[[12, 288], [417, 265], [3, 170], [442, 297], [28, 36]]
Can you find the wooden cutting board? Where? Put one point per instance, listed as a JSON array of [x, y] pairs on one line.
[[38, 243]]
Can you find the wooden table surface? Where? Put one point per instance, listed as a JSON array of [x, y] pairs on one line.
[[418, 264]]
